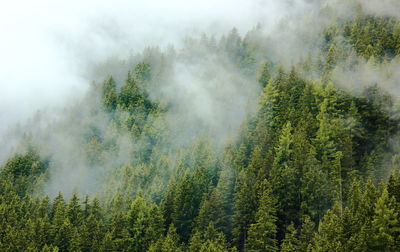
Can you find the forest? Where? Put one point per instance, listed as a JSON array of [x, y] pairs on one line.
[[287, 157]]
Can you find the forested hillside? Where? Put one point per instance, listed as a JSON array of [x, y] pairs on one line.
[[289, 157]]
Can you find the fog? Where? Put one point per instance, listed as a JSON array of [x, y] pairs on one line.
[[50, 48], [47, 46]]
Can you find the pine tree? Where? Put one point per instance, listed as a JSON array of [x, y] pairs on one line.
[[393, 186], [262, 234], [171, 241], [50, 248], [307, 233], [63, 236], [327, 151], [137, 221], [91, 234], [330, 232], [44, 208], [273, 103], [74, 211], [155, 228], [76, 241], [385, 224], [245, 205], [59, 217], [107, 244], [187, 200], [353, 222], [120, 235], [361, 211], [331, 58], [285, 178], [291, 242], [212, 212], [110, 94], [210, 240], [196, 242], [316, 196], [265, 74]]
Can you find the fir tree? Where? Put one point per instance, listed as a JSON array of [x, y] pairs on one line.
[[262, 234]]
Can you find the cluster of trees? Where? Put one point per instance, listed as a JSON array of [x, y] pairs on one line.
[[310, 142], [368, 221], [374, 36], [314, 169], [368, 35]]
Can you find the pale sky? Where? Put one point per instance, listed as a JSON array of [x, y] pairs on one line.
[[45, 44]]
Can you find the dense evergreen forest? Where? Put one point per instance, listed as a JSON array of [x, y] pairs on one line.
[[306, 165]]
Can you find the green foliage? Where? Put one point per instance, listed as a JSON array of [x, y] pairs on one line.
[[262, 234], [291, 242], [23, 172], [330, 232], [208, 240], [245, 205], [110, 94], [385, 224], [301, 161], [373, 36]]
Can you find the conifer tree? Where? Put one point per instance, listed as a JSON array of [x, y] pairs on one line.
[[211, 211], [74, 211], [208, 240], [171, 241], [393, 186], [265, 74], [307, 232], [262, 234], [330, 232], [285, 178], [385, 224], [63, 236], [110, 94], [245, 204], [291, 242]]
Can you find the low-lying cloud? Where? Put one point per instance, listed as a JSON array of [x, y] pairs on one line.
[[49, 49]]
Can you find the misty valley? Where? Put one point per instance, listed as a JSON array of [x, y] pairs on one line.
[[282, 140]]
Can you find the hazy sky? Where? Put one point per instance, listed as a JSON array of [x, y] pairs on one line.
[[46, 44], [46, 47]]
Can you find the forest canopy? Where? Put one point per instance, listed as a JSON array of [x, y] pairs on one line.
[[219, 145]]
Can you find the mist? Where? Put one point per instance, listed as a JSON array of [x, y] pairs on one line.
[[49, 53], [53, 51], [217, 125], [48, 46]]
